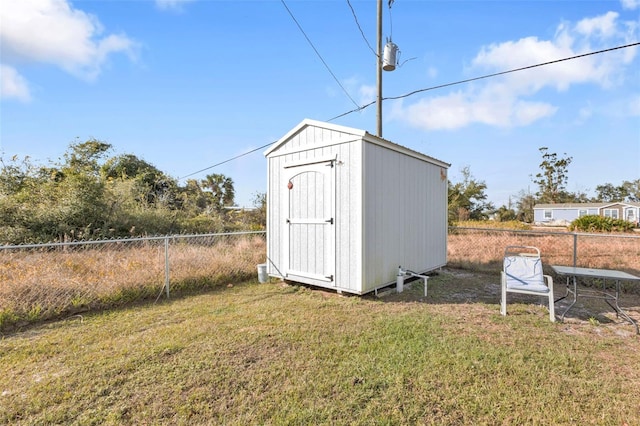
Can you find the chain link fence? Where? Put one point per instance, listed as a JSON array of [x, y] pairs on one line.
[[483, 249], [53, 280], [56, 280]]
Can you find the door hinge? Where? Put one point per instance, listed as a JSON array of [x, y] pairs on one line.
[[329, 221], [330, 278]]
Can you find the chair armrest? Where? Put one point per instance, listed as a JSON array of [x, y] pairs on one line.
[[549, 282]]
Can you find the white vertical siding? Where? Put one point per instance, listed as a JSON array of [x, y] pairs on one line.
[[309, 200], [348, 217], [405, 215], [390, 207], [274, 218], [309, 145]]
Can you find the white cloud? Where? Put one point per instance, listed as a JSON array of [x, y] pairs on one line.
[[461, 109], [175, 5], [630, 4], [53, 32], [13, 85], [505, 101], [604, 26], [362, 93], [525, 113], [367, 94]]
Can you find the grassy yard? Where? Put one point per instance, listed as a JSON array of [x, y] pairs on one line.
[[278, 354]]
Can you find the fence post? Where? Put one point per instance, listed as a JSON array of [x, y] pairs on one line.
[[575, 249], [166, 265]]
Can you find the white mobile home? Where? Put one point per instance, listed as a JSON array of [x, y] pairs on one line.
[[345, 209], [545, 214]]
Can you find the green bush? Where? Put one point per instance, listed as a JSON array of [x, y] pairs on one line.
[[7, 317], [595, 223], [202, 224]]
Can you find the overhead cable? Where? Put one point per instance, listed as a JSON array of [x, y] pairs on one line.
[[318, 53], [428, 89], [486, 76], [353, 12], [226, 161], [390, 21], [514, 70]]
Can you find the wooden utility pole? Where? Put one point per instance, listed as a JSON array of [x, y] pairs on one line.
[[379, 71]]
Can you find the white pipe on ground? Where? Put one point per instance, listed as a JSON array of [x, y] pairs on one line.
[[400, 279]]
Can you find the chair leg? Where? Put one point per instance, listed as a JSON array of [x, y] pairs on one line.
[[552, 302], [503, 299]]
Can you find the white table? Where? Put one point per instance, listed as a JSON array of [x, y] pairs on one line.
[[572, 273]]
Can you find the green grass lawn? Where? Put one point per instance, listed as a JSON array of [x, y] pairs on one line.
[[278, 354]]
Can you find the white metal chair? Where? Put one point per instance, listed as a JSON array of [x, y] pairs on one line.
[[522, 273]]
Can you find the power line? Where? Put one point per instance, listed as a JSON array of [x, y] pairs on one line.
[[318, 53], [486, 76], [514, 70], [226, 161], [353, 12], [390, 21], [360, 108]]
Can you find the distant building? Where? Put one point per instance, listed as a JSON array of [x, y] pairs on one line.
[[563, 214]]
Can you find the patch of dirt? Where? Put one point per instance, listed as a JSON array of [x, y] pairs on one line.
[[473, 296], [451, 286]]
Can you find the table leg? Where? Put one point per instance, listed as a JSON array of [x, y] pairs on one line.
[[575, 296], [607, 297], [620, 311], [565, 295]]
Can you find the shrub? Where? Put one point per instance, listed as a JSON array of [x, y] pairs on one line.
[[7, 317], [595, 223]]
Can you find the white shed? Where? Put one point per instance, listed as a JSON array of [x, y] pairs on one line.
[[346, 208]]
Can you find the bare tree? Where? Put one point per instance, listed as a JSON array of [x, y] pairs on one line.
[[553, 177]]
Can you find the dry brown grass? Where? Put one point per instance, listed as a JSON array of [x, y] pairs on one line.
[[484, 249], [36, 285], [57, 282]]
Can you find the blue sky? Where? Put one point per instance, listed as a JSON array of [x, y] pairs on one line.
[[187, 84]]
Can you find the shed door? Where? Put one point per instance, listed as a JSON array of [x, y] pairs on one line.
[[310, 221]]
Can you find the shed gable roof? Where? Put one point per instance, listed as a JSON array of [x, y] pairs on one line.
[[356, 133], [312, 123]]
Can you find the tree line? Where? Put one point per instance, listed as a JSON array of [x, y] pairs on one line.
[[88, 194], [468, 199]]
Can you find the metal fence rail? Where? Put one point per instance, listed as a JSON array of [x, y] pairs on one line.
[[51, 280], [55, 280], [483, 249]]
